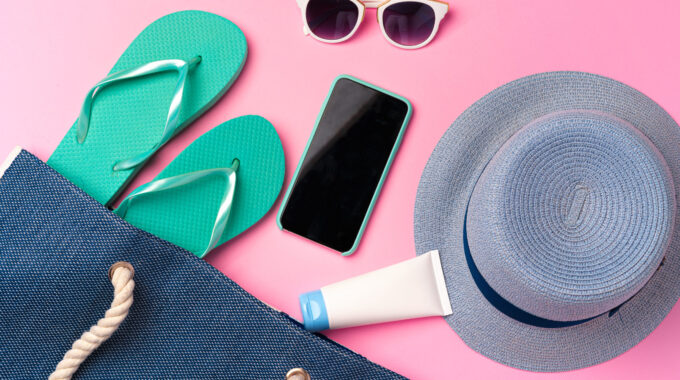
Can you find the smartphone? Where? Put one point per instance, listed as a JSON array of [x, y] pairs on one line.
[[347, 157]]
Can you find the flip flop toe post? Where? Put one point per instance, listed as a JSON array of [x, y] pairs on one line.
[[219, 186], [176, 69]]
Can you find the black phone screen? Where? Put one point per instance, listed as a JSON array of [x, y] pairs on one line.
[[343, 165]]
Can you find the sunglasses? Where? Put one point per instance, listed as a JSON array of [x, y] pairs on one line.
[[408, 24]]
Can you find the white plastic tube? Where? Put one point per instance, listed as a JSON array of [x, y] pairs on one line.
[[411, 289]]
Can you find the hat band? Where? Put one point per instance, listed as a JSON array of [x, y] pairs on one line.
[[505, 306], [569, 218]]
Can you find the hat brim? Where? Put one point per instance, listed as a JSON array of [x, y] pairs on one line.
[[447, 184]]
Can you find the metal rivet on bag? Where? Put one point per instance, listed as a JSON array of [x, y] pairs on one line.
[[120, 264], [298, 374]]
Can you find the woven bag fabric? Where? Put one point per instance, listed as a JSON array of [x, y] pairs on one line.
[[188, 319]]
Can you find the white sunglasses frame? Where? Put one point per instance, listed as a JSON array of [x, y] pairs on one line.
[[440, 9]]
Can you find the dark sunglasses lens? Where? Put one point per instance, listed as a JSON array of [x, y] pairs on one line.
[[331, 19], [409, 23]]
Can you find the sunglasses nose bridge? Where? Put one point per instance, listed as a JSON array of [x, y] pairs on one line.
[[373, 3]]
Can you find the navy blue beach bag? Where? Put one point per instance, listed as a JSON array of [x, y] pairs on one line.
[[187, 321]]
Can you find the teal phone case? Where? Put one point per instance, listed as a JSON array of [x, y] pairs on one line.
[[393, 153]]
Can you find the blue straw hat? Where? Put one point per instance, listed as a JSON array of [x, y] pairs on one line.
[[552, 202]]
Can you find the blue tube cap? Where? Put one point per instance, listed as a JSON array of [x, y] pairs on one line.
[[314, 311]]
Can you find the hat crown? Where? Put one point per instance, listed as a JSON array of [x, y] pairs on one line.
[[572, 216]]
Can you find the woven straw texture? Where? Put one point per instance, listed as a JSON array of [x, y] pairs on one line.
[[572, 216], [573, 177]]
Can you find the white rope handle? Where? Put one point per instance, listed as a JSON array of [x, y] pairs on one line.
[[121, 275]]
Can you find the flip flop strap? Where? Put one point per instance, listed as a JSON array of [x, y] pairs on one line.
[[172, 122], [183, 179]]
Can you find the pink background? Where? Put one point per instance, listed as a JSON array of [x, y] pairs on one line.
[[54, 51]]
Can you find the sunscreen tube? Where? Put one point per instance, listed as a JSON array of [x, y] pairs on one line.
[[411, 289]]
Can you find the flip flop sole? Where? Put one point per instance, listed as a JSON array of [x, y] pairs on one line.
[[128, 117], [185, 216]]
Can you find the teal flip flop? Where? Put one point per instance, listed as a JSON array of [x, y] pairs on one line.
[[219, 186], [176, 69]]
